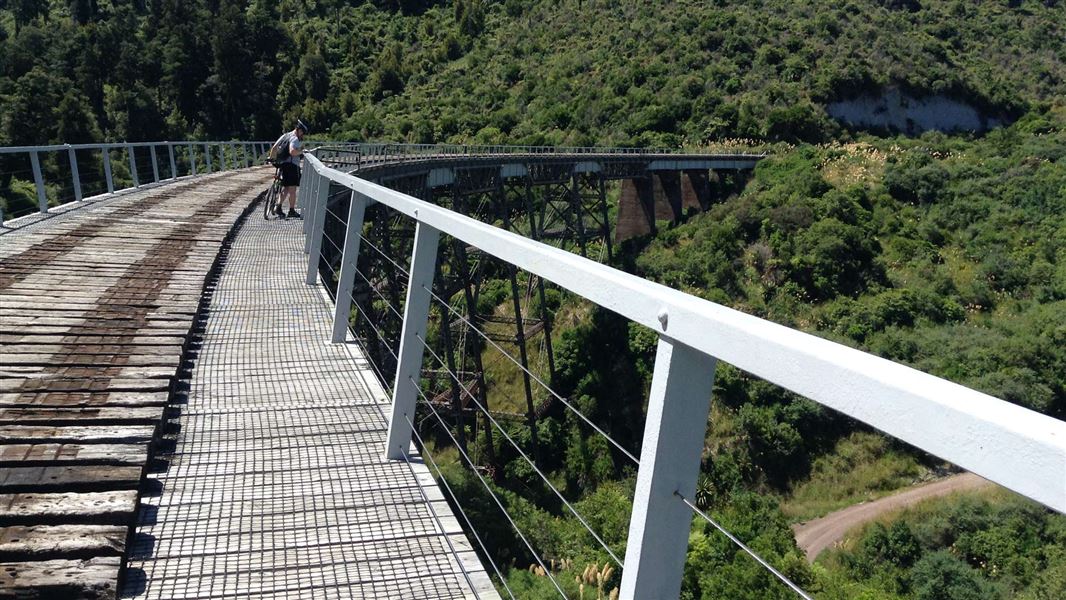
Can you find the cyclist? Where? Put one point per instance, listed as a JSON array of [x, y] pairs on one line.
[[285, 153]]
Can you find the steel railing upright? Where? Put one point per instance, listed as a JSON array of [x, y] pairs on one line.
[[1003, 442], [122, 166]]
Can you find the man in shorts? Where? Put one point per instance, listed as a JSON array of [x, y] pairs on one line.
[[286, 154]]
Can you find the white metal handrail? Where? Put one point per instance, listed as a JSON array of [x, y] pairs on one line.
[[1018, 448], [215, 156]]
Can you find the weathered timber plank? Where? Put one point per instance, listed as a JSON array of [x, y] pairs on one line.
[[111, 313], [81, 416], [102, 508], [108, 434], [41, 455], [201, 249], [89, 340], [188, 308], [20, 480], [89, 319], [50, 542], [84, 385], [132, 329], [66, 371], [43, 359], [82, 399], [104, 349], [90, 579], [135, 295], [121, 317]]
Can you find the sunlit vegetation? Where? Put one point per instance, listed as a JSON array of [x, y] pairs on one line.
[[943, 252]]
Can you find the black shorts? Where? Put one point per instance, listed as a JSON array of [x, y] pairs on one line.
[[290, 175]]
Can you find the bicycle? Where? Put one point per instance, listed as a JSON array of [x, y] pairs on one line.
[[273, 195]]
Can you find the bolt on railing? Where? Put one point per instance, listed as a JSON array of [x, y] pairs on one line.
[[1003, 442], [60, 176]]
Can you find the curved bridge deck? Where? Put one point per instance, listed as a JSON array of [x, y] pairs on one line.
[[272, 481]]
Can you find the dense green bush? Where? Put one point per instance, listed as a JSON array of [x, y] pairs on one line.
[[965, 548]]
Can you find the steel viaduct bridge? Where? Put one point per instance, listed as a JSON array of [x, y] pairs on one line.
[[198, 402]]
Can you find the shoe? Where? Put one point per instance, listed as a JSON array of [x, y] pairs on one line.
[[293, 214], [279, 212]]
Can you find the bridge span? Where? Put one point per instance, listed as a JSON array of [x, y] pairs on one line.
[[199, 403]]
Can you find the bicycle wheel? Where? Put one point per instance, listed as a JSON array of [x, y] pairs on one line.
[[271, 199]]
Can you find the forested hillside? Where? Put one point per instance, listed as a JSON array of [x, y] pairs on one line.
[[944, 251], [545, 71]]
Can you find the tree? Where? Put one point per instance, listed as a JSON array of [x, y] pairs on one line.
[[941, 576], [25, 11], [83, 11]]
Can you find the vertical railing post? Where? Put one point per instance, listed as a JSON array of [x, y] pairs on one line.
[[411, 348], [133, 166], [173, 164], [302, 191], [318, 219], [207, 157], [75, 177], [107, 170], [155, 163], [678, 406], [192, 159], [309, 210], [221, 157], [38, 180], [349, 263]]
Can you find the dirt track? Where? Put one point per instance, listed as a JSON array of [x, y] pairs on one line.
[[818, 534]]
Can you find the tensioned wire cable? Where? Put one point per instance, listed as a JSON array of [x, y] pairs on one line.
[[535, 378], [334, 244], [517, 363], [363, 313], [369, 360], [488, 489], [402, 270], [335, 215], [744, 547], [522, 453], [440, 524], [629, 455], [380, 336], [455, 499], [379, 294]]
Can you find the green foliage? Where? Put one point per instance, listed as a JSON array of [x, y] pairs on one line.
[[539, 72], [595, 370], [941, 576], [716, 568], [945, 253], [991, 546], [916, 177]]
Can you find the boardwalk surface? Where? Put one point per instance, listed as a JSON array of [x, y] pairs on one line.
[[277, 487], [96, 305]]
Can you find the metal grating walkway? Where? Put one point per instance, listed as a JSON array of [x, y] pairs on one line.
[[277, 487]]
